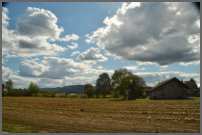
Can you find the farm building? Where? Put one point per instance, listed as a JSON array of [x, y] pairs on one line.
[[169, 89], [4, 88]]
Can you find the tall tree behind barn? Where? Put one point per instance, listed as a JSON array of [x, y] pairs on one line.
[[192, 87]]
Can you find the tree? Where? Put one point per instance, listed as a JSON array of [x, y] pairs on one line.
[[128, 84], [120, 82], [136, 87], [9, 85], [103, 84], [89, 90], [86, 86], [198, 91], [33, 89]]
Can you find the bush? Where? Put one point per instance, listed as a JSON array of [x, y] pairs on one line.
[[89, 90], [48, 94], [115, 94]]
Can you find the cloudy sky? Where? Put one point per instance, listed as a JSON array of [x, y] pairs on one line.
[[59, 44]]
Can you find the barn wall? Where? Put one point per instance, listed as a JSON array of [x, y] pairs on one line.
[[169, 90]]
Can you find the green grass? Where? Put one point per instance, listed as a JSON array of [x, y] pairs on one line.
[[111, 99], [195, 98], [144, 99]]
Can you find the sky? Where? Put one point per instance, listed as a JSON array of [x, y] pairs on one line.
[[55, 44]]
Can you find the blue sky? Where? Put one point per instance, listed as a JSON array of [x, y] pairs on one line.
[[69, 43]]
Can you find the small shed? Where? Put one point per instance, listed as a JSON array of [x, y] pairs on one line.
[[4, 88], [169, 89]]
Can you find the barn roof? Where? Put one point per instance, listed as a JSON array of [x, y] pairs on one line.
[[167, 81]]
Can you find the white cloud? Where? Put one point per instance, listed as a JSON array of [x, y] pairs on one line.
[[164, 66], [140, 63], [57, 68], [100, 67], [5, 18], [92, 54], [52, 67], [23, 82], [143, 69], [131, 67], [73, 46], [74, 53], [190, 63], [70, 37], [151, 32], [6, 73], [13, 55], [32, 68], [37, 22], [35, 29]]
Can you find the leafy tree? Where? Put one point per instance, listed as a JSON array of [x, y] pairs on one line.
[[136, 87], [89, 90], [128, 84], [120, 81], [86, 86], [103, 84], [9, 85], [198, 91], [97, 93], [33, 89]]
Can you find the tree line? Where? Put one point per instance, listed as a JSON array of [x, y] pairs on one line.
[[122, 84], [32, 90]]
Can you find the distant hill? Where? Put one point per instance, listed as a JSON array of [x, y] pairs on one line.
[[68, 89]]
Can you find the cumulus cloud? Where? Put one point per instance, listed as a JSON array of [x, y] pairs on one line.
[[31, 68], [140, 63], [74, 53], [131, 67], [73, 46], [23, 82], [70, 37], [35, 28], [52, 67], [6, 73], [92, 54], [38, 22], [56, 68], [151, 32], [190, 63]]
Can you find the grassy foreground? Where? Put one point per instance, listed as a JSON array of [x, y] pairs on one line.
[[68, 115]]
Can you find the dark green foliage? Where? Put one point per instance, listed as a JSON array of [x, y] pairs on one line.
[[33, 89], [115, 94], [48, 94], [86, 86], [103, 85], [97, 93], [136, 87], [120, 82], [9, 85], [89, 92], [128, 84], [198, 92]]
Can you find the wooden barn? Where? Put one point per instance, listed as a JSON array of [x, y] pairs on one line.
[[169, 89]]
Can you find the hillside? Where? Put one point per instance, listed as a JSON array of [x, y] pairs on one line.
[[70, 88]]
